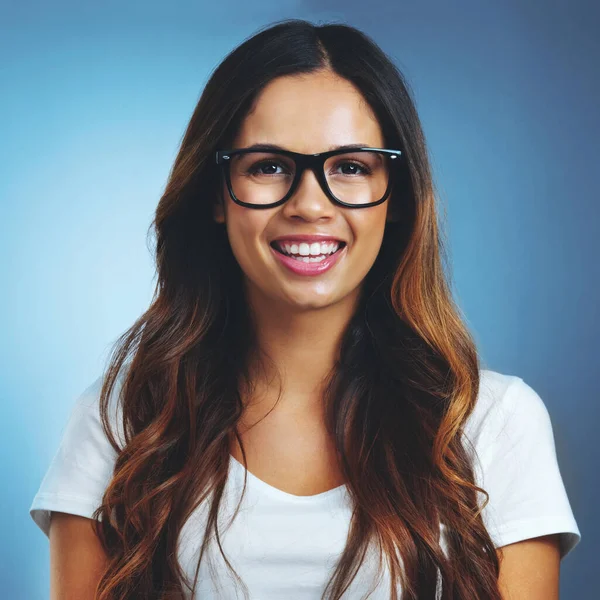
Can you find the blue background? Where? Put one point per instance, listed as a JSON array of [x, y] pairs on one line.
[[93, 105]]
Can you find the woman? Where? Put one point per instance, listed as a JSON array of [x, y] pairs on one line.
[[301, 406]]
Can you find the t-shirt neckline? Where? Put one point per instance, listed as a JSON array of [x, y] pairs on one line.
[[276, 492]]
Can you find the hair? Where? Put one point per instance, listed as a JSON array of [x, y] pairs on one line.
[[396, 401]]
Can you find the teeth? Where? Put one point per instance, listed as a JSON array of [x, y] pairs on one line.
[[310, 259], [303, 249], [315, 249]]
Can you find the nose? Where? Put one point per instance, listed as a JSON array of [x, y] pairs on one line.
[[309, 201]]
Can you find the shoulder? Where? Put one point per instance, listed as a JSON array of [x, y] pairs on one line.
[[84, 441], [87, 404], [506, 407], [83, 464], [511, 442]]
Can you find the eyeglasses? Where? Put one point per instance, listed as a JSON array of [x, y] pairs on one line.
[[264, 176]]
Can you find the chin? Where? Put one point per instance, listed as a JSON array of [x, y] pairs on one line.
[[308, 301]]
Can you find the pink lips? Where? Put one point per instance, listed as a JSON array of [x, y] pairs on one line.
[[314, 268]]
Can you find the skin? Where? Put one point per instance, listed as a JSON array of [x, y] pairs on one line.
[[529, 570], [77, 559], [300, 319]]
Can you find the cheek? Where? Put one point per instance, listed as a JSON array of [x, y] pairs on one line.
[[368, 229], [245, 228]]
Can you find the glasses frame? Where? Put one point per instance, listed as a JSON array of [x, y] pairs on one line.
[[314, 162]]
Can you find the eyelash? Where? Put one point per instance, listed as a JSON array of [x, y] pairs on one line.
[[255, 168]]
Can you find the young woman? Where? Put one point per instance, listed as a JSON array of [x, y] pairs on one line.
[[301, 412]]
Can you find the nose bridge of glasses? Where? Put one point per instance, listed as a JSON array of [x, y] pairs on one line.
[[310, 163]]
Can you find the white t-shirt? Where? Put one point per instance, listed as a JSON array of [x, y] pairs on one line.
[[285, 546]]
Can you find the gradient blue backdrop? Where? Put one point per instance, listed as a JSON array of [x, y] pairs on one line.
[[93, 105]]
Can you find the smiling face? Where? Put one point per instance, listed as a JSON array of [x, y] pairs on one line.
[[309, 114]]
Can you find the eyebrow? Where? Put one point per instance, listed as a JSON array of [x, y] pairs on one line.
[[353, 146]]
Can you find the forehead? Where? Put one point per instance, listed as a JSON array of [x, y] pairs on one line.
[[310, 113]]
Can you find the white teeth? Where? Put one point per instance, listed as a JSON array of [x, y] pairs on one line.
[[310, 259], [303, 249]]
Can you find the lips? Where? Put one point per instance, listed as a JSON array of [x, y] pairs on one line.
[[300, 267], [309, 239]]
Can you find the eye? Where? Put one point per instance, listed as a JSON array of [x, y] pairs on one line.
[[354, 165], [257, 168]]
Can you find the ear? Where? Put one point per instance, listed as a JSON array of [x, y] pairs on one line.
[[393, 212], [219, 208], [218, 212]]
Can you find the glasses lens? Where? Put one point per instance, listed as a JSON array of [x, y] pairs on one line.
[[261, 177], [358, 177], [355, 177]]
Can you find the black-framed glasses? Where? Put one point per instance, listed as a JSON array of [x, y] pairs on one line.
[[263, 176]]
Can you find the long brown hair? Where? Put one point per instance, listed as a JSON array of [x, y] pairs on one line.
[[397, 400]]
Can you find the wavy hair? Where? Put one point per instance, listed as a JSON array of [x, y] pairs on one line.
[[406, 380]]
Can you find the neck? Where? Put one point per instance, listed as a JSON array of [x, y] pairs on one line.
[[302, 346]]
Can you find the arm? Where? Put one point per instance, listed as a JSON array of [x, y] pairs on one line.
[[77, 559], [529, 570]]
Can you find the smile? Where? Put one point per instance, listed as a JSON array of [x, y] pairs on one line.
[[308, 259]]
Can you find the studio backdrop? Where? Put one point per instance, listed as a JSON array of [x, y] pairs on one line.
[[94, 100]]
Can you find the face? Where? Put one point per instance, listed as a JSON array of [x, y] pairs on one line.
[[308, 114]]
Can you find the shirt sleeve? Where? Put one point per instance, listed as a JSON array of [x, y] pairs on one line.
[[82, 466], [520, 471]]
